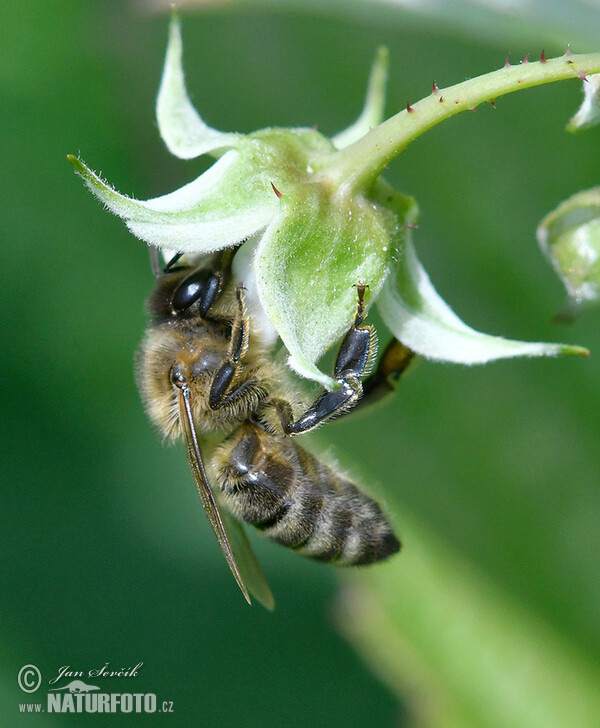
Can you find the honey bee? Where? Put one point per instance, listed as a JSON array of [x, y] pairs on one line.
[[206, 377]]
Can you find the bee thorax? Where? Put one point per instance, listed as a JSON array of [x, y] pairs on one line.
[[171, 359]]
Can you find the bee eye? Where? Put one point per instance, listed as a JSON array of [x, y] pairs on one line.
[[188, 291]]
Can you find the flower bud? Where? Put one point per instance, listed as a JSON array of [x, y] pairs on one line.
[[570, 238]]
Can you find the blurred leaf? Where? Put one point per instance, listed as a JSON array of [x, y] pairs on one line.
[[465, 654], [552, 20]]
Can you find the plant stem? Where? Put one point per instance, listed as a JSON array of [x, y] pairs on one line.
[[355, 168]]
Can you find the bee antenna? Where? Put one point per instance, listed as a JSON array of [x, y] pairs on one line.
[[168, 267], [154, 261]]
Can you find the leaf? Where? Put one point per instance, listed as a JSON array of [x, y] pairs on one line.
[[416, 314], [457, 648], [496, 22]]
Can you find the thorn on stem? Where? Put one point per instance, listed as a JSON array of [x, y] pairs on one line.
[[526, 59], [543, 57], [441, 99], [434, 88], [582, 76], [409, 108], [568, 52], [493, 102], [276, 191], [507, 62]]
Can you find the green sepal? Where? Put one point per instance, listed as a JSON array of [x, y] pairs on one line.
[[308, 263], [418, 317]]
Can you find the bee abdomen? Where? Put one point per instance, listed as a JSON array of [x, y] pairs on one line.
[[351, 530], [300, 502]]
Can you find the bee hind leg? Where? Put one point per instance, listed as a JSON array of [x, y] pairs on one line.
[[393, 363], [354, 360]]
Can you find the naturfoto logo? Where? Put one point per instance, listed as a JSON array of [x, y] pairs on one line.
[[78, 696]]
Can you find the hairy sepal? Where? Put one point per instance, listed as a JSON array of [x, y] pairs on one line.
[[418, 316], [227, 204], [588, 114], [181, 127], [307, 266]]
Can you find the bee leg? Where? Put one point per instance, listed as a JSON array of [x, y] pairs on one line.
[[354, 360], [254, 479], [393, 363], [223, 387], [159, 270], [214, 284]]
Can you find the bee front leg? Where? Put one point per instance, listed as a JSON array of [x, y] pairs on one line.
[[214, 285], [223, 388], [354, 360]]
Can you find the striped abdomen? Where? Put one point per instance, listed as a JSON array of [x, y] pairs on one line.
[[299, 502]]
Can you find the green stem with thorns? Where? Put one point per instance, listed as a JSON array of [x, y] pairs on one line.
[[355, 168]]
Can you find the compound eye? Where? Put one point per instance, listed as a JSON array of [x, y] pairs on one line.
[[188, 291]]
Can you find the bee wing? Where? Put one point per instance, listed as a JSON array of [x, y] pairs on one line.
[[229, 533], [247, 562]]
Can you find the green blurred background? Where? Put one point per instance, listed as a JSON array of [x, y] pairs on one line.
[[106, 555]]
